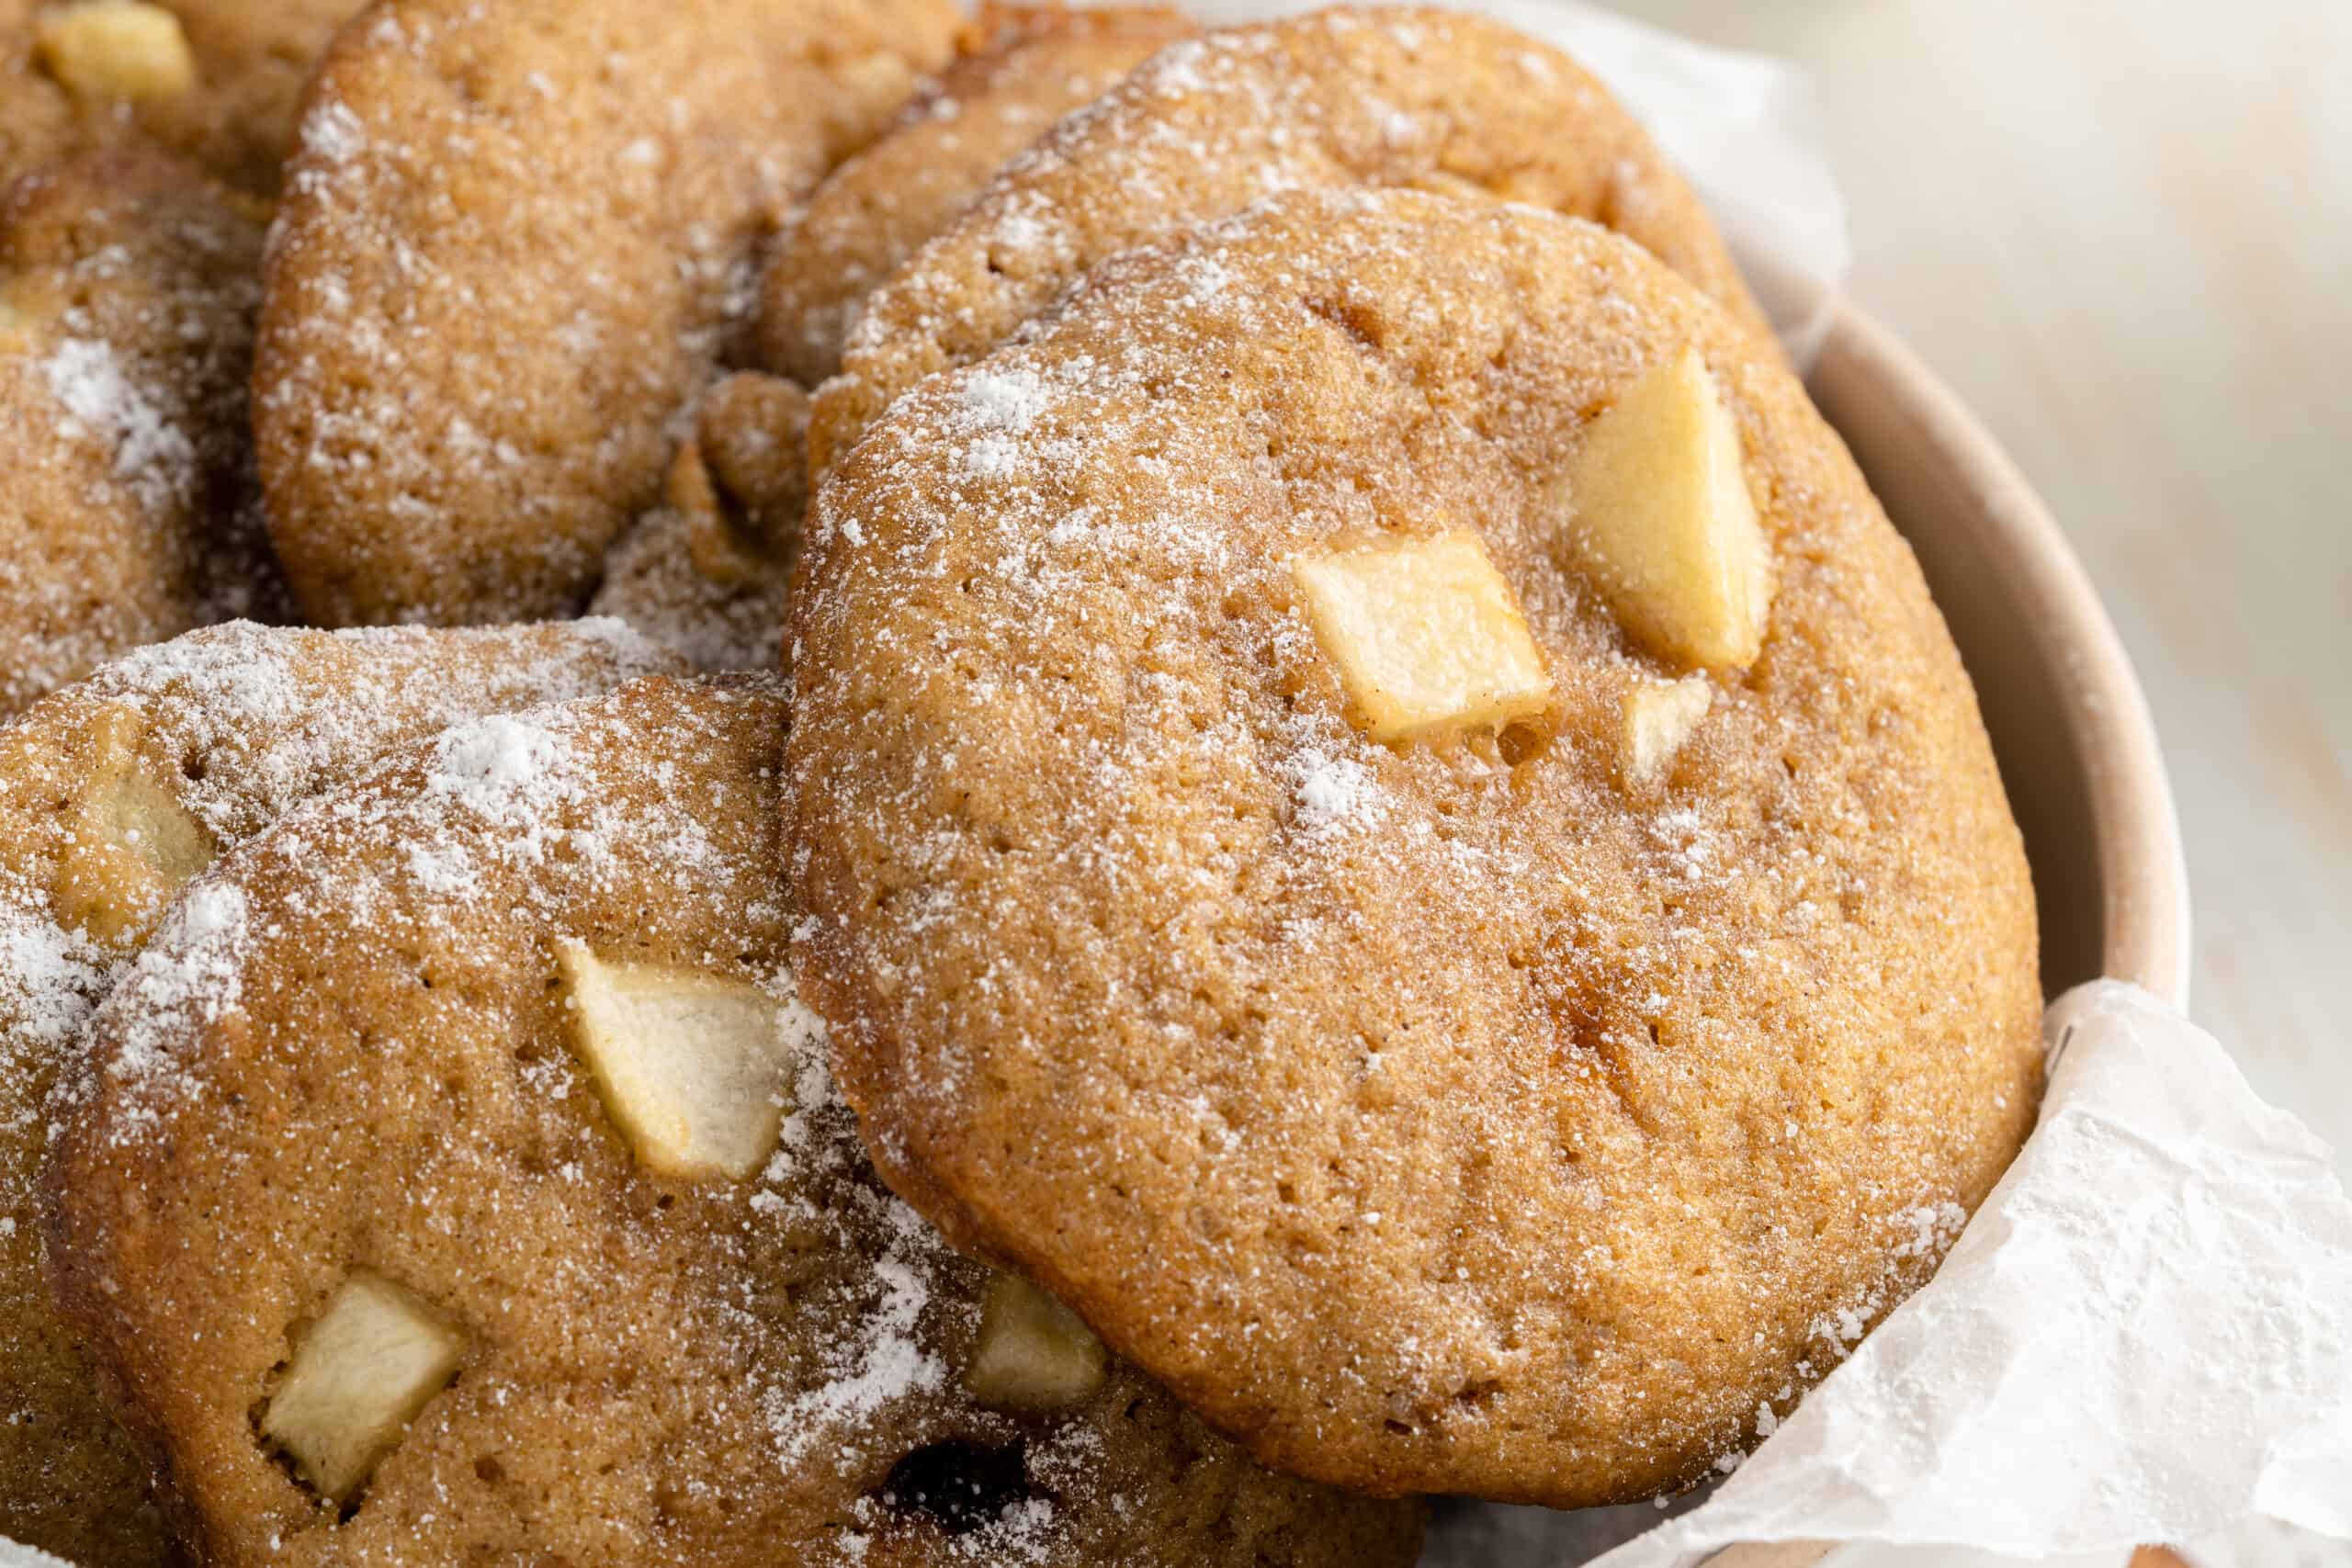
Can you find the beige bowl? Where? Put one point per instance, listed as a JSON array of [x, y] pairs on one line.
[[2076, 747], [2069, 725]]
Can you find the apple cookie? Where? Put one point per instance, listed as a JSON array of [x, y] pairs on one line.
[[217, 80], [1349, 97], [113, 793], [127, 284], [458, 1178], [1025, 69], [515, 241], [1380, 810]]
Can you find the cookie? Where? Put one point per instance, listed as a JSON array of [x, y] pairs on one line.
[[112, 794], [215, 79], [708, 573], [1025, 69], [1380, 777], [493, 1065], [515, 241], [1349, 97], [127, 284]]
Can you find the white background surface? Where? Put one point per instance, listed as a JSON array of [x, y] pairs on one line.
[[2122, 230]]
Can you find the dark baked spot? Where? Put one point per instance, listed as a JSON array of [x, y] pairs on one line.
[[959, 1486]]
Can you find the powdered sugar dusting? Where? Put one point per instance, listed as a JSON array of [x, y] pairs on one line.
[[1334, 791], [191, 975], [879, 1363], [153, 454]]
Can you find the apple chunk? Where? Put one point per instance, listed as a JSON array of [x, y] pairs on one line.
[[131, 845], [1663, 522], [115, 49], [1658, 717], [374, 1358], [1427, 636], [691, 1065], [1033, 1355]]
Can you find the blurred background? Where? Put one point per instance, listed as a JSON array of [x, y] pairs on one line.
[[2122, 230]]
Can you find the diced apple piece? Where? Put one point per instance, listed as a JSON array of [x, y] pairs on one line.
[[365, 1369], [132, 846], [115, 49], [1663, 520], [1427, 636], [1658, 717], [1033, 1356], [691, 1065]]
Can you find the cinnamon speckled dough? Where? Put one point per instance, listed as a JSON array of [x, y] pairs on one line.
[[236, 118], [1439, 1116], [127, 284], [516, 241], [351, 1048], [1352, 97], [252, 58], [1028, 68], [709, 570], [111, 791], [708, 573], [38, 120]]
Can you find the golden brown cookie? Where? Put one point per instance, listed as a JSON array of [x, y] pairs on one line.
[[460, 1182], [1381, 809], [112, 794], [1024, 69], [1348, 96], [128, 284], [216, 80], [515, 241]]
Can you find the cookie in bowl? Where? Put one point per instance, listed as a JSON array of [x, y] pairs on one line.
[[1351, 96], [1381, 810], [517, 244], [458, 1178], [113, 793], [128, 283]]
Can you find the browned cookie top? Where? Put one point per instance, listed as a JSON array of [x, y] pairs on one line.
[[1529, 1105], [1028, 67], [404, 1062], [516, 240], [1352, 97], [128, 284], [112, 794]]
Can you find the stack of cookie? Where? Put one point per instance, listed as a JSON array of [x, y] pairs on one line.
[[1250, 819]]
